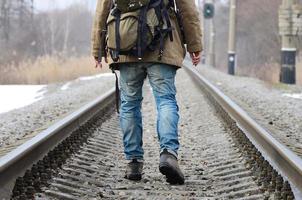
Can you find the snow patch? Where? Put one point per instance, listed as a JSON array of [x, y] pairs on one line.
[[88, 78], [294, 95], [66, 86], [18, 96]]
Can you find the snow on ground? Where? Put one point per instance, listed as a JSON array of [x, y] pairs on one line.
[[18, 125], [88, 78], [85, 78], [18, 96], [294, 95], [66, 86]]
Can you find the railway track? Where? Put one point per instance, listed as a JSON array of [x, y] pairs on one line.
[[82, 158]]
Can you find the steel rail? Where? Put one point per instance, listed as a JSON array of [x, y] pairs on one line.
[[279, 156], [15, 163]]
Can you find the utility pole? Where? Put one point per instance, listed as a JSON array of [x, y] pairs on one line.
[[32, 10], [212, 43], [288, 49], [202, 19], [209, 9], [232, 38]]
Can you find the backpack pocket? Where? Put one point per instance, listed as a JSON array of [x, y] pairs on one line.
[[129, 30]]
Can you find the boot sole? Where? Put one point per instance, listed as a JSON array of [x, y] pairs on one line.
[[171, 175], [134, 177]]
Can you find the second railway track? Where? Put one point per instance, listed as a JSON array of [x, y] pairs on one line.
[[217, 158]]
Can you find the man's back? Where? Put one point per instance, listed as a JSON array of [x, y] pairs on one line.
[[174, 51], [160, 71]]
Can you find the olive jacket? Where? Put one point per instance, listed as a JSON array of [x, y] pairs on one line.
[[174, 52]]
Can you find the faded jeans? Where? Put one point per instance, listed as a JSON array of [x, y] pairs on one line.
[[161, 78]]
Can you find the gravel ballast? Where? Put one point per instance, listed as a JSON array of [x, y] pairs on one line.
[[277, 107], [59, 100]]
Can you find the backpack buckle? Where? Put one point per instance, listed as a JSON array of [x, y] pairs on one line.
[[114, 55], [160, 55]]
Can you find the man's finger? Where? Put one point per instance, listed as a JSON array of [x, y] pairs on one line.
[[196, 54], [196, 61], [197, 57], [101, 66], [98, 64]]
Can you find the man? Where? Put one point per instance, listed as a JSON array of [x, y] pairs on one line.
[[161, 74]]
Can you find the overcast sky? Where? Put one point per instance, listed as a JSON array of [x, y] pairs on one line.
[[42, 5]]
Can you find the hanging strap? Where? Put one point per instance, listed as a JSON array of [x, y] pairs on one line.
[[117, 93], [164, 17], [162, 33], [141, 40], [155, 4], [161, 45], [167, 18], [116, 52], [102, 46]]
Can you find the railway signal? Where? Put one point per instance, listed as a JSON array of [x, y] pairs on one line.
[[208, 10], [232, 38]]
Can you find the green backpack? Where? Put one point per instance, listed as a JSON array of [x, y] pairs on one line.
[[137, 26]]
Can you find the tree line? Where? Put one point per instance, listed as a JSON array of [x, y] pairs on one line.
[[28, 34], [258, 43]]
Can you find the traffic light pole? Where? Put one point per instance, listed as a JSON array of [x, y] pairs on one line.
[[232, 38], [211, 53], [288, 50], [212, 43]]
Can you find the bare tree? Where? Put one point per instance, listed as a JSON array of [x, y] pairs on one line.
[[258, 41], [5, 19], [27, 34], [15, 27]]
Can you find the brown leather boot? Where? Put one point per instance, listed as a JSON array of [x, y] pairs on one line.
[[168, 166]]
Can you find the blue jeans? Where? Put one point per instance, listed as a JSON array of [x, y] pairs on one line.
[[161, 78]]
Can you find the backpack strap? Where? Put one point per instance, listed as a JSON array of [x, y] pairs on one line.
[[141, 40], [162, 37], [115, 53], [155, 4], [161, 45], [163, 12], [167, 18], [103, 44]]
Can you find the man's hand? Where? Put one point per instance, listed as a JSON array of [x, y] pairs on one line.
[[195, 56], [99, 64]]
